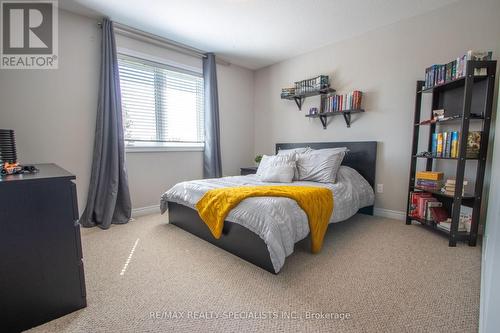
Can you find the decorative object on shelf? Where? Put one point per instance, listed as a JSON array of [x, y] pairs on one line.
[[438, 114], [313, 110], [258, 158], [287, 92], [311, 87], [453, 89], [8, 155]]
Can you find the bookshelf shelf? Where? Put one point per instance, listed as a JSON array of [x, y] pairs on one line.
[[465, 196], [299, 98], [457, 83], [428, 122], [461, 235], [324, 115], [444, 158], [467, 98]]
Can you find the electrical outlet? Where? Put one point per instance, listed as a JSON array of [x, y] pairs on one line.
[[380, 188]]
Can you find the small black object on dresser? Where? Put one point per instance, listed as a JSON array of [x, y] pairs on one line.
[[41, 274], [248, 171]]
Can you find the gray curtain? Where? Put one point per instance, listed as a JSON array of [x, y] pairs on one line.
[[108, 198], [212, 166]]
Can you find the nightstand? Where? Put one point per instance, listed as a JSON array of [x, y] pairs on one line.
[[248, 171]]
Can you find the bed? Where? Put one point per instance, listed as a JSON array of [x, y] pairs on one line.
[[263, 231]]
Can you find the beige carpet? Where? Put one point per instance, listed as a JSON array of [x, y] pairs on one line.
[[378, 274]]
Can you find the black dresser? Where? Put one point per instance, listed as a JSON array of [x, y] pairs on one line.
[[41, 268]]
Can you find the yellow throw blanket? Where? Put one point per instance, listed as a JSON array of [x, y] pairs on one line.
[[317, 203]]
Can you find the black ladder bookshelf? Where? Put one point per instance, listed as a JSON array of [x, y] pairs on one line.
[[467, 98]]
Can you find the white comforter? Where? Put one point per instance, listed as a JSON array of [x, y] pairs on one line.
[[280, 222]]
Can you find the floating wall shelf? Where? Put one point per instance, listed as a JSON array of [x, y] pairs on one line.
[[346, 113], [299, 99]]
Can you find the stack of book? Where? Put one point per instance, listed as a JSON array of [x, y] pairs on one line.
[[445, 144], [449, 186], [336, 103], [440, 74], [429, 180], [426, 207]]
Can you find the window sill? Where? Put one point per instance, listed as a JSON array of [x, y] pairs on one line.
[[162, 149]]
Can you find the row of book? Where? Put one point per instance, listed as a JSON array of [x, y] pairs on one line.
[[351, 101], [440, 74], [424, 206], [433, 181], [446, 144]]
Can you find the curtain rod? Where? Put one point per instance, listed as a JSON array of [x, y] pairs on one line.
[[144, 36]]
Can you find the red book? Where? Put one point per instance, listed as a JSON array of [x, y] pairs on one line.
[[422, 205], [414, 196], [439, 214]]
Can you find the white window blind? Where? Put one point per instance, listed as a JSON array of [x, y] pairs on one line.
[[162, 106]]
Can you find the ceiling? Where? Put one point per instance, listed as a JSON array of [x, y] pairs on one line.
[[255, 33]]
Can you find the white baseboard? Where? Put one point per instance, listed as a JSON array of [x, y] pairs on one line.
[[136, 212], [390, 214]]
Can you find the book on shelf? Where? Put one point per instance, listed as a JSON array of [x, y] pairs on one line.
[[434, 144], [438, 214], [446, 144], [473, 144], [439, 144], [435, 185], [456, 69], [344, 102], [429, 216], [464, 222], [414, 202], [446, 225]]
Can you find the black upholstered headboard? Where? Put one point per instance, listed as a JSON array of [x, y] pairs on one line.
[[362, 155]]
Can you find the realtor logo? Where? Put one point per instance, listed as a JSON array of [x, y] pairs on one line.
[[29, 34]]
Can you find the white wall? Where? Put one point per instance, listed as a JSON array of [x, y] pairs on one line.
[[151, 174], [53, 113], [490, 288], [384, 64]]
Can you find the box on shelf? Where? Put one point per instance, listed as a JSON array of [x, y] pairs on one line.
[[429, 175]]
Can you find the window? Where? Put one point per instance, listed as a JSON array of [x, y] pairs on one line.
[[162, 105]]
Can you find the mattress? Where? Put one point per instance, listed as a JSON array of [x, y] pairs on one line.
[[279, 222]]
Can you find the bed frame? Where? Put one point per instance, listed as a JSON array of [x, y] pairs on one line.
[[247, 245]]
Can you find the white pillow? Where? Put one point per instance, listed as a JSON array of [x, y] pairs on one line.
[[301, 150], [277, 168], [320, 165], [294, 152]]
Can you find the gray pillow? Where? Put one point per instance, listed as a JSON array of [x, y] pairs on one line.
[[320, 165], [277, 168]]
